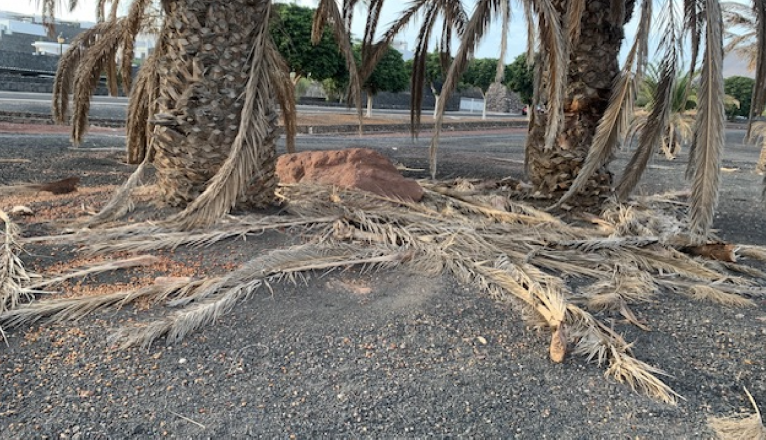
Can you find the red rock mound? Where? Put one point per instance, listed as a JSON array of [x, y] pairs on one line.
[[358, 168]]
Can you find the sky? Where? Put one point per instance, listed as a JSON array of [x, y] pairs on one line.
[[488, 49]]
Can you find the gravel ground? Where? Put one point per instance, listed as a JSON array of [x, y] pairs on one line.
[[389, 354]]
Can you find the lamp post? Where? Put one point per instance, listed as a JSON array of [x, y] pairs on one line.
[[61, 40]]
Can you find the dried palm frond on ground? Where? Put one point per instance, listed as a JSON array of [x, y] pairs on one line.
[[513, 251], [13, 277], [741, 427]]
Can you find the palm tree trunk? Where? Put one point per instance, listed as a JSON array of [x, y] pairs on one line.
[[203, 72], [593, 66]]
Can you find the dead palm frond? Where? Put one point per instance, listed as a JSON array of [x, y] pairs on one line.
[[214, 300], [555, 51], [652, 132], [705, 157], [603, 345], [279, 74], [101, 267], [130, 242], [14, 278], [134, 23], [742, 427], [327, 12], [709, 293], [68, 67], [97, 57], [142, 106], [475, 29], [574, 17], [71, 309], [120, 202], [136, 130]]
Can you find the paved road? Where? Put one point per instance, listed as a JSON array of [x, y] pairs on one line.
[[115, 107]]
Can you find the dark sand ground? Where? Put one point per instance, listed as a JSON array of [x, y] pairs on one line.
[[387, 354]]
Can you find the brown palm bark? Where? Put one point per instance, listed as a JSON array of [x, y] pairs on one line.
[[203, 73], [593, 66]]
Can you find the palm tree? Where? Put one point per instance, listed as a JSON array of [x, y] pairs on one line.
[[588, 97], [679, 129], [740, 32], [203, 104], [745, 35]]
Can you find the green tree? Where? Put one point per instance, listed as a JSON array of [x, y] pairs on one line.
[[520, 78], [390, 75], [481, 73], [741, 89], [290, 29]]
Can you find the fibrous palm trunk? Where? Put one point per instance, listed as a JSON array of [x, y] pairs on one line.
[[203, 73], [593, 66]]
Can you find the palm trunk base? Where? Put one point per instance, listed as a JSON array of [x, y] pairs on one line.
[[203, 73], [552, 171]]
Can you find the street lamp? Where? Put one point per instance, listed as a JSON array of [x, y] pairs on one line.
[[61, 41]]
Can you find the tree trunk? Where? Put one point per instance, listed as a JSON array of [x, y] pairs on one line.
[[593, 66], [369, 105], [484, 107], [203, 73]]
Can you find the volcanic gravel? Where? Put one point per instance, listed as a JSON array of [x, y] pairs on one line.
[[384, 354]]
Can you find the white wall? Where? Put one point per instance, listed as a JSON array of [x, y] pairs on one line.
[[471, 105]]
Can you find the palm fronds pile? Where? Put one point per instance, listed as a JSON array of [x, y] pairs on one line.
[[511, 250]]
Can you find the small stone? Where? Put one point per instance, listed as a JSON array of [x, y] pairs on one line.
[[182, 361], [21, 210], [739, 316]]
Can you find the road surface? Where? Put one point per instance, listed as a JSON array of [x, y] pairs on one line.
[[108, 107]]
